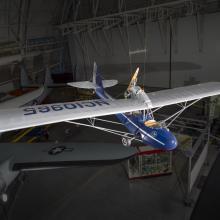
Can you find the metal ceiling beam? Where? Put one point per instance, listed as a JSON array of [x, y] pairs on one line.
[[150, 13]]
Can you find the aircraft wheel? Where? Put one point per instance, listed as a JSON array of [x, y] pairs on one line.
[[126, 141]]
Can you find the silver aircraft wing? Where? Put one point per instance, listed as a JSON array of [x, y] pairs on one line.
[[36, 156], [183, 94], [17, 118]]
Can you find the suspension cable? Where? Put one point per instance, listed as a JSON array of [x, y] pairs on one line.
[[128, 39], [145, 48]]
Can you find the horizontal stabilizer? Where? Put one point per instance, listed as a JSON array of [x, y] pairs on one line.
[[82, 85], [91, 85], [109, 83]]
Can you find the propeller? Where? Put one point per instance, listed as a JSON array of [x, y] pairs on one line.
[[133, 80]]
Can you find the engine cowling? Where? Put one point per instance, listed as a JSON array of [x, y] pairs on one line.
[[137, 93]]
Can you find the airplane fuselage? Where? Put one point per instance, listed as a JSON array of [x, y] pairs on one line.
[[156, 135]]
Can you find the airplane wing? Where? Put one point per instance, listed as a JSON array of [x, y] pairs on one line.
[[36, 156], [17, 118], [183, 94], [22, 100]]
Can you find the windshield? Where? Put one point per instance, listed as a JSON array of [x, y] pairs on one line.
[[152, 124]]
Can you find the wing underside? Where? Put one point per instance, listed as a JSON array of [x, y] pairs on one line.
[[24, 156]]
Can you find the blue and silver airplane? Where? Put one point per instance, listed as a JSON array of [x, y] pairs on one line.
[[141, 125], [135, 111]]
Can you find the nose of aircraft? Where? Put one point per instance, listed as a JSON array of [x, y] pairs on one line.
[[171, 141], [160, 138]]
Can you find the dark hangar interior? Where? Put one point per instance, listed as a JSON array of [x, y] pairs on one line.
[[72, 153]]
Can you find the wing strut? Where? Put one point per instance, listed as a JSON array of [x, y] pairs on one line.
[[112, 131], [176, 115]]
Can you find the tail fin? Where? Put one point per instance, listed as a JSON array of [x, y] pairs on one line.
[[97, 81]]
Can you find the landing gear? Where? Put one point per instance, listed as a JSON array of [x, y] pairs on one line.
[[126, 141]]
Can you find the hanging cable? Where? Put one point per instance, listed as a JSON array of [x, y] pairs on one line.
[[145, 48], [128, 39]]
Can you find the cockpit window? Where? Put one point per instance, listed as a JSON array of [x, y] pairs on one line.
[[152, 124]]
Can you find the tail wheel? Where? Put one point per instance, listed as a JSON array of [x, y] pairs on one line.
[[126, 141]]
